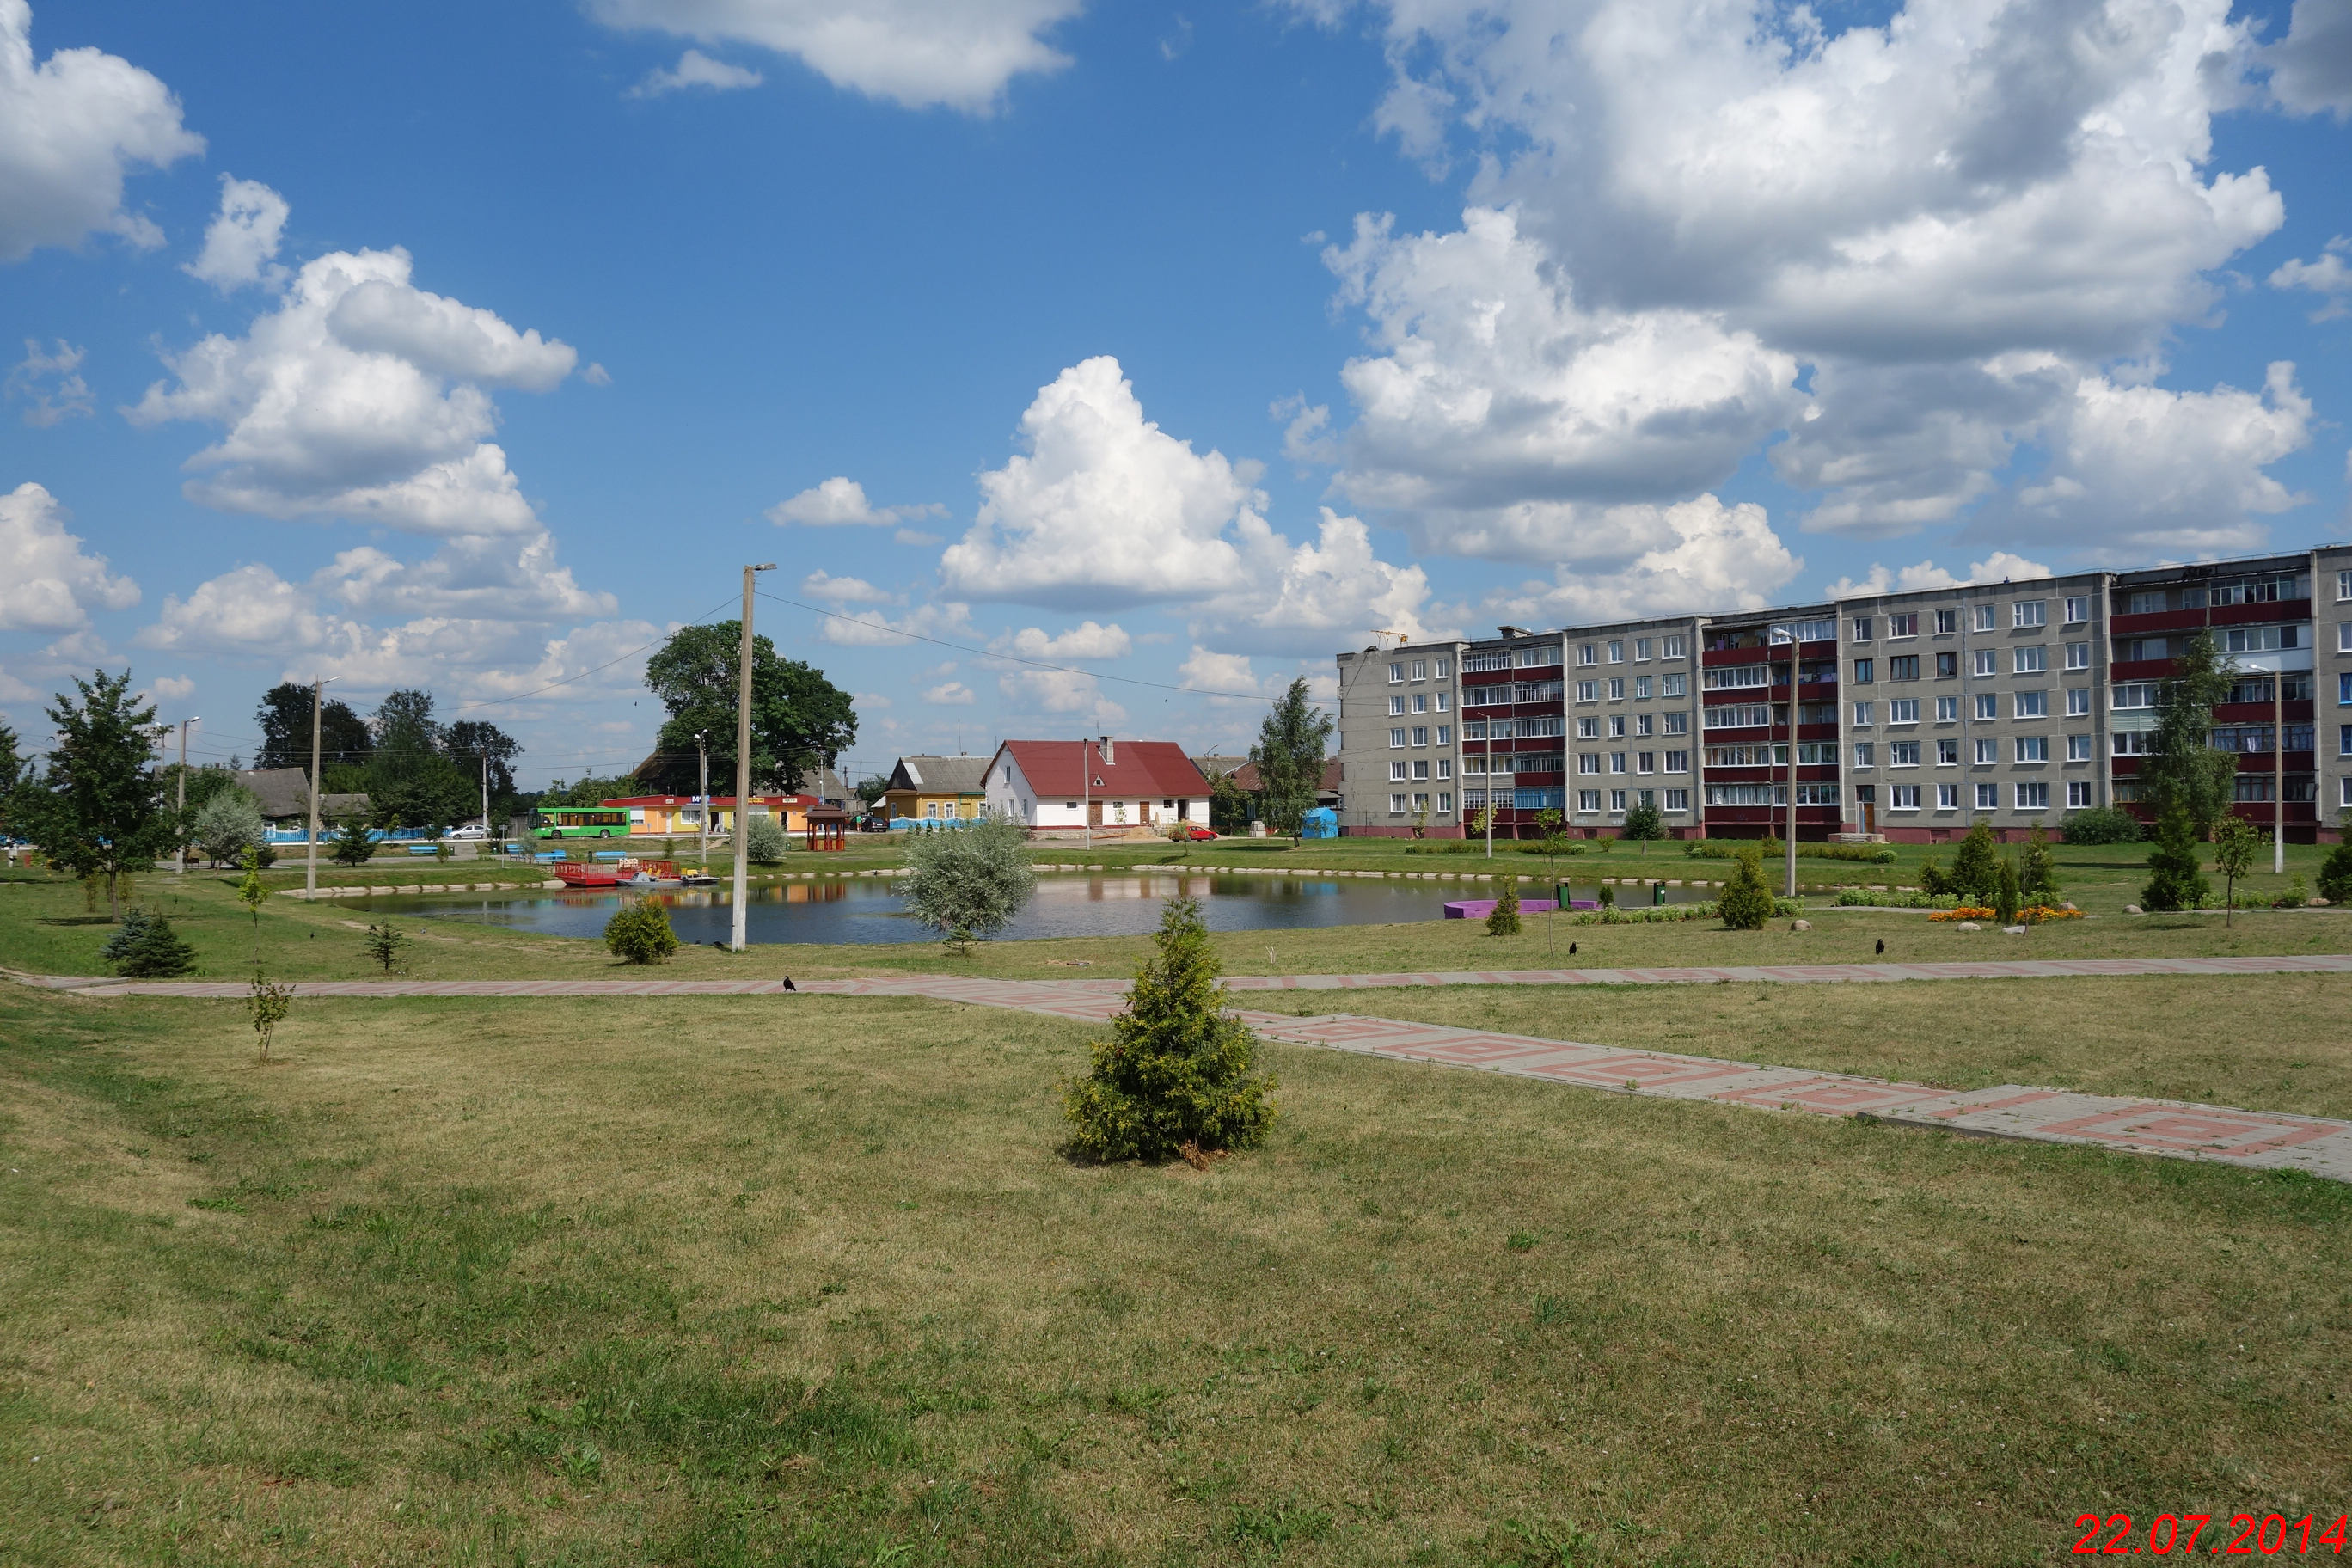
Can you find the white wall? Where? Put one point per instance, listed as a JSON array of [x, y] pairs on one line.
[[1016, 802]]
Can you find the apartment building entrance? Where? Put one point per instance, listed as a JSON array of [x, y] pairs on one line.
[[1867, 797]]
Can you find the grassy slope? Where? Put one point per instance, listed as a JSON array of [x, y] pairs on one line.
[[701, 1282], [322, 940]]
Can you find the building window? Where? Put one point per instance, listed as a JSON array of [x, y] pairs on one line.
[[1420, 701], [2033, 796], [1444, 804], [1587, 692], [2033, 705], [1948, 709], [1678, 800], [1678, 761], [2343, 637], [1588, 653], [2344, 740], [1588, 762], [1903, 797], [1948, 753], [1987, 797], [1862, 672], [1616, 653], [1988, 749], [1640, 689], [1616, 762], [1903, 711], [1640, 650], [1861, 715], [2078, 748], [2029, 612], [1444, 701], [1675, 686], [2078, 793], [2078, 655], [1862, 628], [1947, 667], [1988, 705], [2078, 609], [1947, 622], [2343, 586], [2033, 748], [1616, 688], [1739, 716], [1817, 795], [1420, 769], [1616, 726], [1616, 800], [1396, 673], [1396, 738], [2264, 639], [1420, 734], [1902, 626], [1645, 761], [1904, 666], [1396, 703], [1947, 797], [2078, 701], [2344, 690], [1396, 805], [2030, 661], [1735, 677], [1420, 669], [1445, 734], [1747, 795], [1988, 661], [1903, 753], [1677, 724], [1587, 800], [1674, 647], [1984, 617], [1446, 767], [1864, 755], [2132, 743], [2134, 694], [1588, 728], [1396, 771], [1531, 657], [1444, 666]]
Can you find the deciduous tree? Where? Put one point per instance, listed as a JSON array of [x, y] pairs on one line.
[[799, 721], [1290, 757], [99, 814]]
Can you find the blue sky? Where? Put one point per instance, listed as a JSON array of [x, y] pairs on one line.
[[475, 347]]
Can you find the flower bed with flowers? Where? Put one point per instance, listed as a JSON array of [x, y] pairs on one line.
[[1964, 913], [2033, 915]]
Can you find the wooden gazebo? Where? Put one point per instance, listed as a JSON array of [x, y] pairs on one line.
[[826, 826]]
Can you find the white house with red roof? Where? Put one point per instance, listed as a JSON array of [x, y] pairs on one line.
[[1103, 782]]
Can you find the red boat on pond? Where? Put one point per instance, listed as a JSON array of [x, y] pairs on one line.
[[613, 874]]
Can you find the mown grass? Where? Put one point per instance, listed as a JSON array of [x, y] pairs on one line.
[[44, 929], [2266, 1042], [806, 1280]]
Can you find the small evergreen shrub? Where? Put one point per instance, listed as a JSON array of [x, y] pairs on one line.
[[2335, 874], [383, 943], [1179, 1071], [1976, 870], [969, 884], [2178, 879], [1502, 920], [2005, 898], [147, 948], [640, 933], [2037, 876], [1747, 902], [2101, 825], [1932, 880], [351, 845]]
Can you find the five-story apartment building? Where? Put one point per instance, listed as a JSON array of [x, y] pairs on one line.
[[1904, 715]]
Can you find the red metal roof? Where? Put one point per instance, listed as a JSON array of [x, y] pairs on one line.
[[642, 800], [1140, 770]]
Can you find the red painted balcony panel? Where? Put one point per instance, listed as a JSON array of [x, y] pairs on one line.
[[2140, 669]]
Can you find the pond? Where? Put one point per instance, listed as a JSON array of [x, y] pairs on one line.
[[869, 909]]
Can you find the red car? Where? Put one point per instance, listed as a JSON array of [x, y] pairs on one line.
[[1197, 834]]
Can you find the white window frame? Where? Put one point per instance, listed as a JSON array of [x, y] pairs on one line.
[[2078, 749], [1396, 673], [1903, 797], [1396, 740], [1948, 709], [2078, 655], [1988, 707], [2030, 748], [1986, 618], [2031, 659], [1987, 662], [1903, 711], [2031, 704], [1987, 797], [2028, 613], [2032, 795], [1947, 797], [1861, 715], [1988, 751], [2078, 701], [2078, 609]]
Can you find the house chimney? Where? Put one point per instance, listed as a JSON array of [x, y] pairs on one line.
[[1109, 760]]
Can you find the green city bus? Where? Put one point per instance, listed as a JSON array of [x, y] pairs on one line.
[[581, 822]]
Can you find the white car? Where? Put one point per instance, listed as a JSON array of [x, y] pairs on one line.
[[466, 835]]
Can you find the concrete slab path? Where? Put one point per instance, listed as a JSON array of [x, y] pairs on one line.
[[2321, 1146]]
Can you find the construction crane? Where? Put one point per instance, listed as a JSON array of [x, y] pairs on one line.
[[1402, 637]]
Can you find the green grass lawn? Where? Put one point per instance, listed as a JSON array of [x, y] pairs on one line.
[[46, 928], [2169, 1038], [726, 1281]]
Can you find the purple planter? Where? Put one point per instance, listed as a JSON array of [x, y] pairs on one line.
[[1479, 909]]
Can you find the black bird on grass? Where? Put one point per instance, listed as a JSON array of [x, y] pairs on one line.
[[789, 986], [1882, 944], [1571, 950]]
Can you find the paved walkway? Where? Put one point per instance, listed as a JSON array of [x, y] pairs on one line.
[[2320, 1145]]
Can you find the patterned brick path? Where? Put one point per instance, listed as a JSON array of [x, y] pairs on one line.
[[2320, 1145]]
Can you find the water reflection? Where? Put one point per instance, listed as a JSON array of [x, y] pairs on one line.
[[869, 909]]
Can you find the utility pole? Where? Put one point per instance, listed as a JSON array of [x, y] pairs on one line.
[[1792, 760], [702, 800], [1086, 777], [310, 866], [2278, 762], [180, 856], [485, 801], [743, 762]]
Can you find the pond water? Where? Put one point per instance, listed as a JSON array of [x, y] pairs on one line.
[[869, 909]]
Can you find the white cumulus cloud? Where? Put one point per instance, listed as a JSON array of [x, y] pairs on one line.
[[49, 385], [1105, 508], [960, 54], [46, 582], [949, 694], [241, 243], [2000, 566], [843, 590], [2311, 68], [1089, 639], [840, 502], [1702, 557], [694, 69], [72, 127], [2329, 277], [1057, 694]]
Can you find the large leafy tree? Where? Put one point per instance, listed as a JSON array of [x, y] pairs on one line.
[[471, 743], [14, 776], [411, 784], [1290, 757], [284, 719], [98, 813], [799, 721], [2183, 770]]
